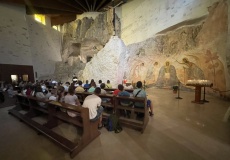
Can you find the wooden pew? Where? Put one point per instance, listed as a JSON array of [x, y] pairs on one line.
[[35, 108], [22, 102], [133, 121], [90, 129]]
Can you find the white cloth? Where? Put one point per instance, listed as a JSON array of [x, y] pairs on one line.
[[92, 102]]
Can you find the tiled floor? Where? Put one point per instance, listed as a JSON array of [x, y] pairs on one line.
[[179, 130]]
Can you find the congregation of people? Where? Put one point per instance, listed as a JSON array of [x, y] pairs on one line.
[[66, 93]]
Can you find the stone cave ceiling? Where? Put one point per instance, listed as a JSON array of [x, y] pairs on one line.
[[64, 11]]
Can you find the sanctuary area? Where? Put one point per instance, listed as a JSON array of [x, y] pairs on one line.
[[115, 79]]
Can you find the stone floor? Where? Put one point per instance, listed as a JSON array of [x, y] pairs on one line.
[[179, 130]]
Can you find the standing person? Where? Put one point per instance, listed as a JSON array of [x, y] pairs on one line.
[[72, 99], [93, 103], [139, 92], [108, 84]]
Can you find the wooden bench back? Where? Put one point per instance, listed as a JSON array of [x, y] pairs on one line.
[[113, 89], [132, 120]]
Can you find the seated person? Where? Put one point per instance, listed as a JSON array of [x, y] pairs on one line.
[[99, 83], [104, 92], [10, 90], [40, 95], [66, 86], [108, 84], [93, 103], [47, 94], [53, 96], [119, 88], [86, 85], [92, 87], [71, 98], [141, 93], [80, 88], [29, 91], [60, 94], [124, 93]]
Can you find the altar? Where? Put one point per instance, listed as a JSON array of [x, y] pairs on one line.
[[198, 84]]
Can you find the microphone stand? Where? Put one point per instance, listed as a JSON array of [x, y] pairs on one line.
[[178, 93]]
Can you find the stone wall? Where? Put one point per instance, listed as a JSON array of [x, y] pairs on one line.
[[45, 43], [14, 40], [24, 41]]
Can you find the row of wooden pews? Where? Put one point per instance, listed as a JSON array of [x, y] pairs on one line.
[[52, 110], [128, 115], [55, 116]]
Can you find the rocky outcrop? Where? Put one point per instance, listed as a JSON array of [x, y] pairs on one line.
[[108, 63], [84, 38]]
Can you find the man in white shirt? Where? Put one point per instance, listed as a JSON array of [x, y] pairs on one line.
[[93, 103]]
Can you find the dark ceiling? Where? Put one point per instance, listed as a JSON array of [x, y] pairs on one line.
[[63, 11]]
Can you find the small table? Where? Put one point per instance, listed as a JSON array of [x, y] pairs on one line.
[[198, 92]]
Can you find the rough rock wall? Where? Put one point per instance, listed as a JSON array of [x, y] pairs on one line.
[[85, 37], [82, 39], [108, 63]]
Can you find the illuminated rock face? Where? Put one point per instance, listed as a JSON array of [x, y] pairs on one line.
[[108, 64]]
